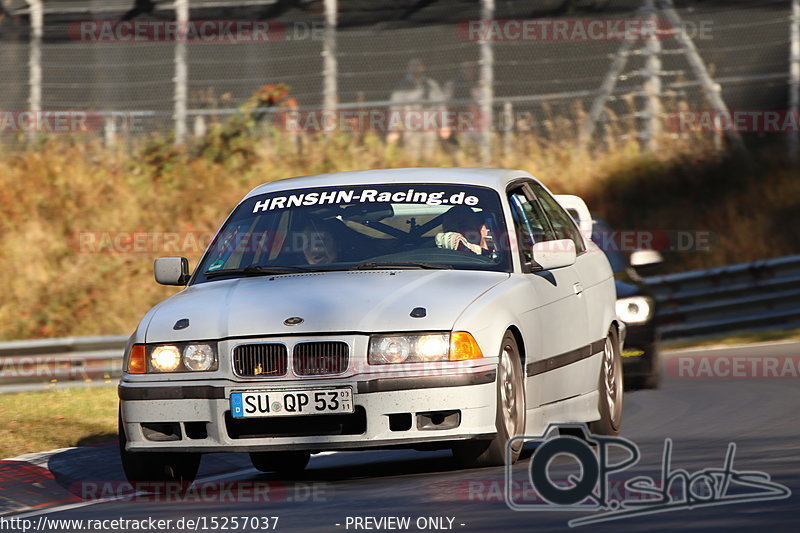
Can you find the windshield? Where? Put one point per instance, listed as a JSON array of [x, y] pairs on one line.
[[426, 226], [604, 237]]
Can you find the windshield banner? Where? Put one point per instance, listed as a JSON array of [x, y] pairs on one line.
[[353, 196]]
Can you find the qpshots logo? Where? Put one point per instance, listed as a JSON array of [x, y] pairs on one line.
[[602, 461]]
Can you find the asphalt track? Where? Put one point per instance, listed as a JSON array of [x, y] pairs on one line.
[[701, 416]]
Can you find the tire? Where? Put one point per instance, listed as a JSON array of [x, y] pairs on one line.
[[610, 389], [156, 467], [510, 417], [283, 463]]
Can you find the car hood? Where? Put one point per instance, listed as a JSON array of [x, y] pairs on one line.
[[355, 301]]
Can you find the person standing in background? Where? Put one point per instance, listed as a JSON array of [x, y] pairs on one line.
[[464, 95], [418, 93]]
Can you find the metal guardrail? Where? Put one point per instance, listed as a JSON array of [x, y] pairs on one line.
[[705, 303], [746, 297], [60, 363]]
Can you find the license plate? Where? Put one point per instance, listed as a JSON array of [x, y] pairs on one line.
[[255, 404]]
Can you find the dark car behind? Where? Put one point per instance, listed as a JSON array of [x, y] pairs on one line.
[[635, 306]]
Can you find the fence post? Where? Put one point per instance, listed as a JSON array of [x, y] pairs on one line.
[[199, 128], [794, 78], [330, 64], [508, 126], [710, 88], [653, 84], [719, 145], [609, 82], [181, 70], [486, 82], [110, 129], [35, 61]]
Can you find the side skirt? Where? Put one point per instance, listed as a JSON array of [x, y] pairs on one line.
[[582, 408]]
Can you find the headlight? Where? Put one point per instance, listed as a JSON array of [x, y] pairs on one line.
[[178, 357], [635, 310], [384, 350], [419, 348], [198, 357], [165, 358], [432, 347]]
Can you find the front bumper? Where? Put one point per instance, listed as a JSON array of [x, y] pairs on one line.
[[641, 349], [398, 411]]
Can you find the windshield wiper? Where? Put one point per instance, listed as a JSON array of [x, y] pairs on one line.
[[403, 264], [256, 270]]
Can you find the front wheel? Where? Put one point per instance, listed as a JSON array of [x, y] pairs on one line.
[[510, 418], [610, 390], [156, 467]]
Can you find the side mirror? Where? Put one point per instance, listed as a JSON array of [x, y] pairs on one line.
[[171, 270], [640, 258], [553, 254]]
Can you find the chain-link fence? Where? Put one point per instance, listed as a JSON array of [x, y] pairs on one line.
[[514, 64]]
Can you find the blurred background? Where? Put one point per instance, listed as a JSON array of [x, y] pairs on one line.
[[130, 128], [745, 46]]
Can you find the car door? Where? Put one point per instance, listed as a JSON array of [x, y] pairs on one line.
[[556, 309], [583, 377]]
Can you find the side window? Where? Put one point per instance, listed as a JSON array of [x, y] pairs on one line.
[[529, 222], [563, 225]]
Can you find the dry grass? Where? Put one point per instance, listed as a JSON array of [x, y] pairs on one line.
[[62, 189], [59, 418]]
